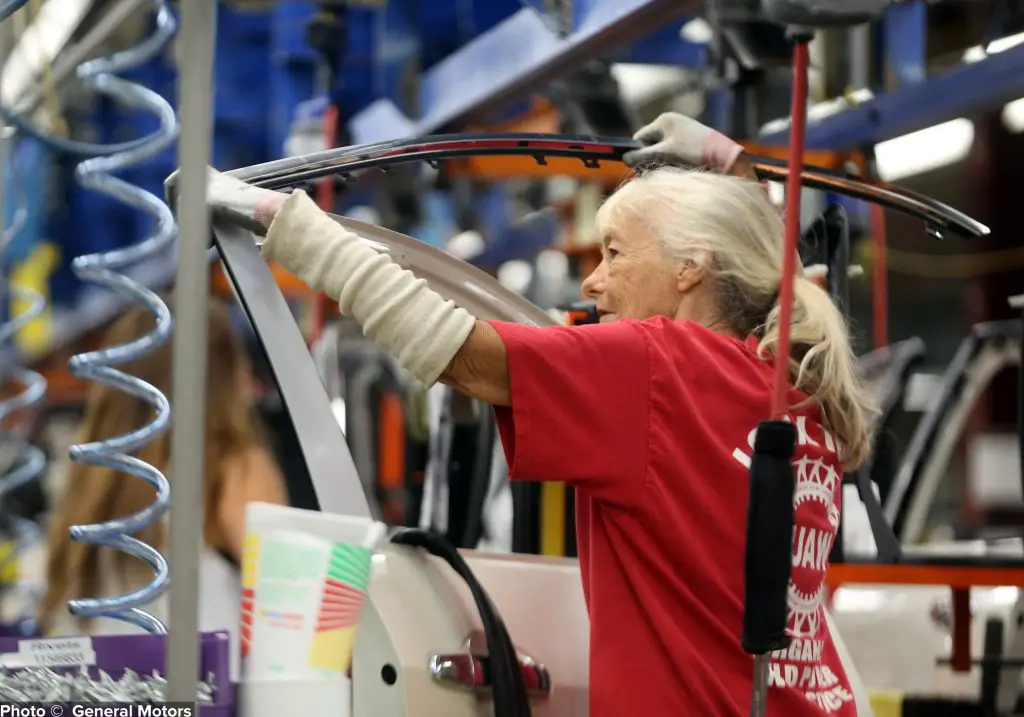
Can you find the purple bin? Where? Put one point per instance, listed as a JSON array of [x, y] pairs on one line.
[[145, 653]]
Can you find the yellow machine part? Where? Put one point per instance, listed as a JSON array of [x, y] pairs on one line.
[[8, 562], [552, 519], [34, 274], [887, 703]]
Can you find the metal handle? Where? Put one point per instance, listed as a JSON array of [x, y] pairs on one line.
[[472, 672]]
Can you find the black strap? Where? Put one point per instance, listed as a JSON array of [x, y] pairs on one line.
[[509, 688]]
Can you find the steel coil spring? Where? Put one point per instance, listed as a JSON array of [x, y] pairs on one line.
[[24, 461], [96, 172], [9, 7]]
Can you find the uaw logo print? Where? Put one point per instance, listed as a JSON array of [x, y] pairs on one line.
[[817, 519]]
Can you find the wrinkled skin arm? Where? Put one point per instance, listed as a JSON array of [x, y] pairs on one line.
[[480, 368]]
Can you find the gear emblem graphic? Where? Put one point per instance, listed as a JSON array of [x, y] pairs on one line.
[[805, 612], [816, 483]]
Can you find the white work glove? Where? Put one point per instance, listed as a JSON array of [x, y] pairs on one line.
[[233, 200], [676, 139]]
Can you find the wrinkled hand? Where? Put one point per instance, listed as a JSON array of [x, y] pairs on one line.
[[232, 200], [679, 140]]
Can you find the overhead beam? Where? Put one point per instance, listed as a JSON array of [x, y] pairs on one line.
[[517, 58]]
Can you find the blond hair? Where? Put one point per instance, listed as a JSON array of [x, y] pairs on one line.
[[727, 226]]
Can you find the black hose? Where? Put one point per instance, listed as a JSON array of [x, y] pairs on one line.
[[509, 688], [1020, 404]]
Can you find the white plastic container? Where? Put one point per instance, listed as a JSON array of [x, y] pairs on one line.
[[304, 582], [274, 698]]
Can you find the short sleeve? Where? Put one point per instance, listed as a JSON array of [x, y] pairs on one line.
[[580, 408]]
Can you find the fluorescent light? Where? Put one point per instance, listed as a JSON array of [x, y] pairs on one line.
[[1013, 116], [924, 150], [640, 84], [515, 275], [822, 110], [697, 31], [979, 52], [465, 245]]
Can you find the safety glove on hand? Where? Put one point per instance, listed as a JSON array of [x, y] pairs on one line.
[[233, 200], [675, 139]]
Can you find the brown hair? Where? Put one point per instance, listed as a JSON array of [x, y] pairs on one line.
[[95, 494]]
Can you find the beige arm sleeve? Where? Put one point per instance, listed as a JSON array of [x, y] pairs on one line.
[[398, 311]]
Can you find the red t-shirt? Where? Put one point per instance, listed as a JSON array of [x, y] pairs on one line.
[[652, 422]]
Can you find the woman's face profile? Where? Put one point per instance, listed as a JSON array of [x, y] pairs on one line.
[[635, 280]]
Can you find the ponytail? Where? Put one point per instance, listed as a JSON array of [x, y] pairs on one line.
[[823, 366]]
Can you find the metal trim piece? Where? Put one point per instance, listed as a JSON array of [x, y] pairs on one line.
[[284, 173]]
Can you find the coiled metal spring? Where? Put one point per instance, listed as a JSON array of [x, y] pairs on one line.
[[25, 461], [9, 7], [96, 172]]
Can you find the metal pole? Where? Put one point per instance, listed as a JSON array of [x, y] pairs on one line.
[[6, 141], [6, 158], [67, 62], [195, 91], [759, 696], [859, 56]]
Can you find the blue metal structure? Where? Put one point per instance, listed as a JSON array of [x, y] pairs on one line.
[[990, 82], [522, 55], [476, 60]]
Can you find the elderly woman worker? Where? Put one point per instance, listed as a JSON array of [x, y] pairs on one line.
[[649, 414]]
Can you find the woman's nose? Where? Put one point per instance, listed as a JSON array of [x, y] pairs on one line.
[[593, 285]]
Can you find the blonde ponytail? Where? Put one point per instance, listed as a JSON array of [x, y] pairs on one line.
[[730, 228], [823, 366]]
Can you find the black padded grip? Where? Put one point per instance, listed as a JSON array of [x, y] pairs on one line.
[[769, 538]]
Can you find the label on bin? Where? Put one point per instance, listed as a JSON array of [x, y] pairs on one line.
[[302, 598], [51, 652]]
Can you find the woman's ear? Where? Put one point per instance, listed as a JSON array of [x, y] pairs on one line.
[[688, 276]]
